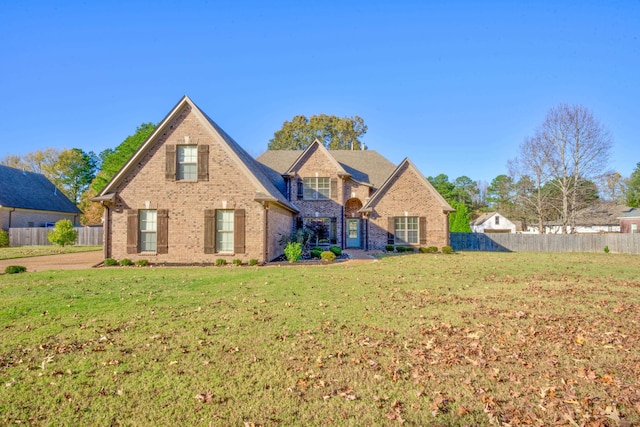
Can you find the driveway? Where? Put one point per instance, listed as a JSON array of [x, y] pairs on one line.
[[76, 261]]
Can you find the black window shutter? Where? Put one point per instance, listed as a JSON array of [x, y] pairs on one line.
[[203, 163], [299, 223], [238, 231], [163, 231], [170, 172], [391, 230], [334, 188], [132, 231], [333, 231], [209, 231], [300, 189]]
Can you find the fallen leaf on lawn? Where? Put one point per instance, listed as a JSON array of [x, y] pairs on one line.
[[205, 397]]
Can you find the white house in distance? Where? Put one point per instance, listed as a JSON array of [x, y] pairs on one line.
[[492, 222]]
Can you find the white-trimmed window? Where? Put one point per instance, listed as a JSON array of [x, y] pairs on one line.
[[317, 188], [634, 228], [187, 163], [406, 230], [148, 230], [224, 230]]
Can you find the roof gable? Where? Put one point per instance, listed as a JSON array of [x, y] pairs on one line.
[[29, 190], [405, 165], [363, 166], [316, 147], [266, 190]]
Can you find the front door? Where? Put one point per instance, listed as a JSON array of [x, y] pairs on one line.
[[353, 233]]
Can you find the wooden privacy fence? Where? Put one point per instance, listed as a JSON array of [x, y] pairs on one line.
[[37, 236], [507, 242]]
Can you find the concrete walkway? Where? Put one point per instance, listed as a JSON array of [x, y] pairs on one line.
[[360, 254]]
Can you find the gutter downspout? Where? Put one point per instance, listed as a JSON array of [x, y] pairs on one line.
[[12, 210], [265, 240], [107, 231]]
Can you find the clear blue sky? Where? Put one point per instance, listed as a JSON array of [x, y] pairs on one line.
[[455, 86]]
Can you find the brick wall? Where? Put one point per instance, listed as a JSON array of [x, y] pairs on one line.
[[280, 224], [318, 164], [21, 218], [227, 188], [408, 195]]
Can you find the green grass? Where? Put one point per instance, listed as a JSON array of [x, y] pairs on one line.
[[465, 339], [32, 251]]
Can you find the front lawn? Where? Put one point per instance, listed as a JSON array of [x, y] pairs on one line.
[[425, 339], [31, 251]]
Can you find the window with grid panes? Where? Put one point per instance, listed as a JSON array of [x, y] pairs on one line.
[[406, 230], [187, 163], [148, 230], [317, 188]]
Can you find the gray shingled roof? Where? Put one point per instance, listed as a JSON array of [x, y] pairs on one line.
[[630, 213], [29, 190], [366, 166], [270, 182], [603, 213]]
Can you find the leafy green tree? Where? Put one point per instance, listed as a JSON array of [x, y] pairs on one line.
[[443, 186], [633, 188], [39, 161], [459, 221], [466, 191], [73, 172], [334, 132], [501, 194], [63, 233], [114, 159]]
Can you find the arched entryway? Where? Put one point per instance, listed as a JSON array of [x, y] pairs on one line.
[[353, 223]]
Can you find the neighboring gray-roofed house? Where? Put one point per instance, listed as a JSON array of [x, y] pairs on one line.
[[630, 220], [29, 199]]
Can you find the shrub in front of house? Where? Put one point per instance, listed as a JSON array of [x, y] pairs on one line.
[[4, 238], [389, 248], [293, 251], [253, 262], [327, 256], [110, 262], [63, 233], [337, 250], [316, 253], [409, 249], [142, 263], [221, 262], [400, 249], [447, 250], [14, 269], [126, 262], [237, 262]]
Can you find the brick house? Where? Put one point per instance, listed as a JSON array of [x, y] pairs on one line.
[[191, 194], [29, 199], [630, 221]]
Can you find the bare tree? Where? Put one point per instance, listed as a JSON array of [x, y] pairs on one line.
[[530, 172], [569, 148]]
